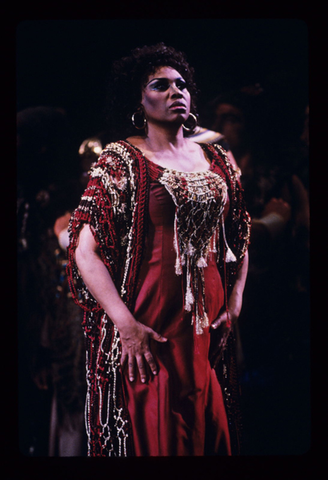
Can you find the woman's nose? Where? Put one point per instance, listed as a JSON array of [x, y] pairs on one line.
[[175, 91]]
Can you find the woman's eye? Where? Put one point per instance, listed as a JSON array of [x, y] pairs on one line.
[[181, 85], [162, 86]]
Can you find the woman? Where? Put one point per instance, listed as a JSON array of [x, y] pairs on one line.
[[146, 262]]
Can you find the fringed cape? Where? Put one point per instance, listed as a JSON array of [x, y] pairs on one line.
[[115, 204]]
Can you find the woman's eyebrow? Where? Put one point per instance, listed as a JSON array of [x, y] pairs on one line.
[[162, 78], [154, 79]]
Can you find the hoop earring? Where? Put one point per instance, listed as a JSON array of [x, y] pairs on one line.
[[133, 120], [190, 129]]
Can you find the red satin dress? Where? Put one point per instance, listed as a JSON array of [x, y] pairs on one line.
[[179, 411]]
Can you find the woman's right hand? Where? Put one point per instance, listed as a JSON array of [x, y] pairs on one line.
[[135, 340], [135, 336]]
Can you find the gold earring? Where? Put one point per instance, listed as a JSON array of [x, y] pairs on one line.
[[190, 129], [138, 127]]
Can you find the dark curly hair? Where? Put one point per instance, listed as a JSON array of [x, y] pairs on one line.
[[128, 76]]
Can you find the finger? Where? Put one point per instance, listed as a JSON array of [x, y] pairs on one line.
[[141, 367], [156, 336], [218, 322], [151, 362], [131, 367]]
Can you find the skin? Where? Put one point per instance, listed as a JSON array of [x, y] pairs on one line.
[[236, 298], [164, 144], [135, 336]]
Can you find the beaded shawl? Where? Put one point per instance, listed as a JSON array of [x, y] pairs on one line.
[[115, 204]]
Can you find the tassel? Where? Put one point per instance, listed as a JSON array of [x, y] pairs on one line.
[[201, 315], [201, 322], [201, 263], [229, 256], [190, 250], [189, 298], [199, 329], [205, 321], [178, 266], [214, 238]]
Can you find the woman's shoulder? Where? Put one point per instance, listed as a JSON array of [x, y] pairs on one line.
[[230, 161], [136, 140], [228, 157], [204, 135], [118, 162], [223, 159], [139, 145], [214, 150], [116, 153]]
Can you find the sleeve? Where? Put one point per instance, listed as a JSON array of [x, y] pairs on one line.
[[239, 221], [238, 230], [102, 206], [240, 224]]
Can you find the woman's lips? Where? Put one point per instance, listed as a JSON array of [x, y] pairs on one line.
[[177, 106]]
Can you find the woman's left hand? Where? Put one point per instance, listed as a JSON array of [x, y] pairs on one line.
[[230, 317], [223, 325], [226, 319]]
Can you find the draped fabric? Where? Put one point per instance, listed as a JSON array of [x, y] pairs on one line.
[[116, 205], [180, 411]]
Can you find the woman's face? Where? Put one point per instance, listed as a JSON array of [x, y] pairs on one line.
[[165, 97]]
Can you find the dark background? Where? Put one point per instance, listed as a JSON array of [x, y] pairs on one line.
[[65, 63]]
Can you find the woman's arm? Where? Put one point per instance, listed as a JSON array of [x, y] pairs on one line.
[[134, 335], [236, 298]]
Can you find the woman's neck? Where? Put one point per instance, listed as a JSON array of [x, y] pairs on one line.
[[171, 150], [164, 139]]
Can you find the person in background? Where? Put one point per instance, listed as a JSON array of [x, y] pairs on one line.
[[273, 164], [51, 344]]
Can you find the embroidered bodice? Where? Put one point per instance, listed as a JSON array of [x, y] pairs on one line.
[[200, 199]]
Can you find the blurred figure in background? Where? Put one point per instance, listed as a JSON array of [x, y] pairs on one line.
[[67, 430], [89, 152], [274, 176], [51, 350], [274, 325]]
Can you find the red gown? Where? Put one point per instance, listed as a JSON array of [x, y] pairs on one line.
[[179, 411]]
